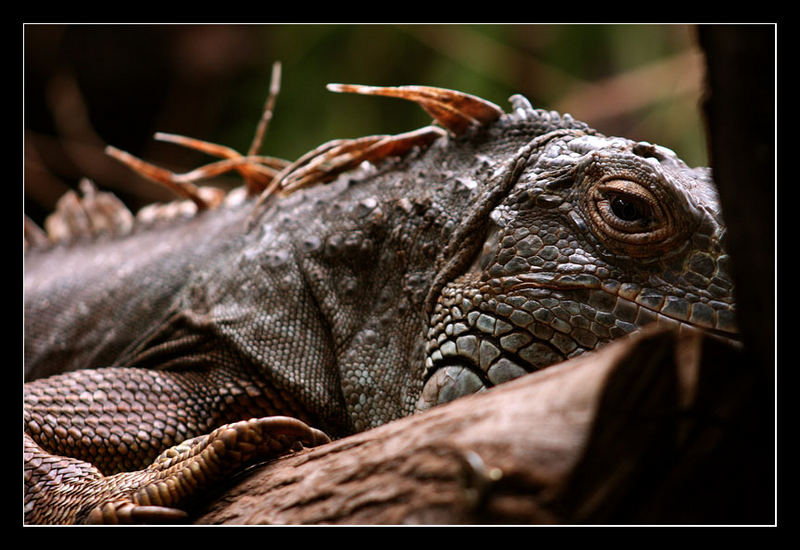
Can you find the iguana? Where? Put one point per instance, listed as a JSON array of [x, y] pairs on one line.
[[431, 265]]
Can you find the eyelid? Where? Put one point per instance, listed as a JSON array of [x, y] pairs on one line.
[[628, 189]]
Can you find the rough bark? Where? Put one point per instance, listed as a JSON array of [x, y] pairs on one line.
[[651, 429]]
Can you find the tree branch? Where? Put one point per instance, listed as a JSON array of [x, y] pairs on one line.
[[630, 434]]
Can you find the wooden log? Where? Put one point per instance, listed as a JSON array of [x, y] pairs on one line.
[[650, 429]]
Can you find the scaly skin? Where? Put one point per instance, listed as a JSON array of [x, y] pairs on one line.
[[63, 490], [511, 246]]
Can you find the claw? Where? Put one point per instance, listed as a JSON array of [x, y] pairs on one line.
[[126, 513], [454, 110]]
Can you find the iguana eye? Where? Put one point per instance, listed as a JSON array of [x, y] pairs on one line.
[[628, 217], [626, 206]]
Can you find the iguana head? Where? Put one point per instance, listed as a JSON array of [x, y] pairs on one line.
[[594, 238]]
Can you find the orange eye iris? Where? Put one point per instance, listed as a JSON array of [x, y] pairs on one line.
[[629, 217]]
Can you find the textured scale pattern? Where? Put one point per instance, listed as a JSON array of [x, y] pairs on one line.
[[153, 494], [430, 265]]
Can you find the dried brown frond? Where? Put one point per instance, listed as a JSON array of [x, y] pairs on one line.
[[180, 184], [451, 109], [269, 106], [332, 158], [258, 171]]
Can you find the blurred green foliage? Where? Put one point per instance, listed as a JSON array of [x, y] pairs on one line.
[[210, 82], [543, 62]]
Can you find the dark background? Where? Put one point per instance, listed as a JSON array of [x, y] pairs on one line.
[[86, 86]]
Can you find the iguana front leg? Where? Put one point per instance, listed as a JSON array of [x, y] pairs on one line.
[[84, 430]]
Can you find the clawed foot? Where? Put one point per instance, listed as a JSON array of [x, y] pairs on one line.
[[183, 471], [160, 492]]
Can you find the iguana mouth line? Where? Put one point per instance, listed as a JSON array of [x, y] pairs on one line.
[[712, 324]]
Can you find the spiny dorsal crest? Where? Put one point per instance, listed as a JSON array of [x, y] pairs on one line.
[[265, 177]]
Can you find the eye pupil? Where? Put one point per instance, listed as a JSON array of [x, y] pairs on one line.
[[625, 210]]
